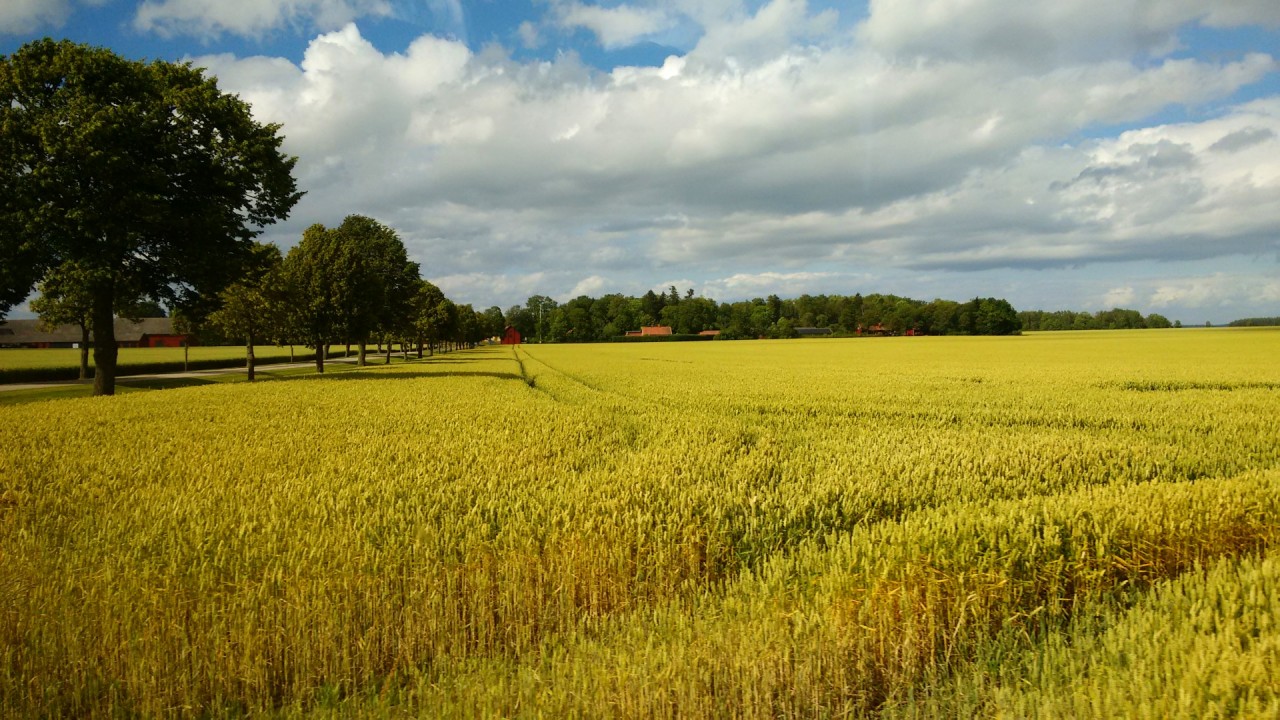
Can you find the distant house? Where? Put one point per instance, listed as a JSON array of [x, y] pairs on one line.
[[710, 333], [876, 329], [812, 331], [148, 332], [511, 336], [655, 330], [633, 333]]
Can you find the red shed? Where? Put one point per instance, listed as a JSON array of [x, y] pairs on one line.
[[510, 336]]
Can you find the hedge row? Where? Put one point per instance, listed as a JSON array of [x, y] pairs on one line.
[[58, 374]]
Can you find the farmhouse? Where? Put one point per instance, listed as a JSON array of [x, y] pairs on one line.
[[655, 330], [511, 336], [148, 332], [876, 329]]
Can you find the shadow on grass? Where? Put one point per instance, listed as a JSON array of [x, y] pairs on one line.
[[407, 375], [450, 361], [163, 383]]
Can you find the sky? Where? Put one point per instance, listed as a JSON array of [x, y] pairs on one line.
[[1062, 155]]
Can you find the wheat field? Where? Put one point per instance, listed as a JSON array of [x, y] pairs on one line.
[[1056, 525]]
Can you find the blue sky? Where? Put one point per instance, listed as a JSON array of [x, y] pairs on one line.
[[1062, 155]]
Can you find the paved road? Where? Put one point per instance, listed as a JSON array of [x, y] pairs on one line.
[[178, 375]]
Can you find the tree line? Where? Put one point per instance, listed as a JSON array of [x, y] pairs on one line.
[[349, 285], [126, 185], [1114, 319], [586, 319]]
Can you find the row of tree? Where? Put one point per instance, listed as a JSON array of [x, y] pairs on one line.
[[353, 284], [127, 185], [585, 318], [1114, 319]]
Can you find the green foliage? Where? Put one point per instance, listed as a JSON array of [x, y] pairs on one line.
[[1114, 319], [255, 306], [351, 282], [146, 177], [587, 319], [1255, 322], [251, 306], [318, 283]]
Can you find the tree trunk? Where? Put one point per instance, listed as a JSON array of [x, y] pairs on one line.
[[363, 351], [84, 350], [248, 357], [320, 353], [290, 353], [105, 349], [347, 352], [419, 347], [388, 360]]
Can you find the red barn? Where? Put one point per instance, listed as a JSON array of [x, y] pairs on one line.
[[147, 332], [510, 336]]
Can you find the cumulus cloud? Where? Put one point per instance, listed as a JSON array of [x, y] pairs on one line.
[[779, 150], [614, 26], [593, 286], [742, 285], [1213, 290], [19, 17], [1045, 33], [1119, 297]]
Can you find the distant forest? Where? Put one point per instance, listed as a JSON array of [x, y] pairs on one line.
[[1114, 319], [1255, 322], [585, 319]]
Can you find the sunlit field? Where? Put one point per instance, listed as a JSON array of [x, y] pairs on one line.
[[1058, 525], [11, 359]]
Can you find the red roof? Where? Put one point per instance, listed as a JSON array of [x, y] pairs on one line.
[[656, 330]]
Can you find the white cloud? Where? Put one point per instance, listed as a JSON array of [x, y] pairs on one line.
[[771, 31], [1119, 297], [529, 36], [1213, 290], [449, 18], [614, 26], [743, 285], [1044, 33], [593, 286], [812, 152], [20, 17], [251, 18]]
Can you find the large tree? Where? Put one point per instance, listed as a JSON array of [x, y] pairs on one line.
[[145, 175], [356, 281], [429, 316], [316, 279]]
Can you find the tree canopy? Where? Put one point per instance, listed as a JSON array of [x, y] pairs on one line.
[[144, 175]]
